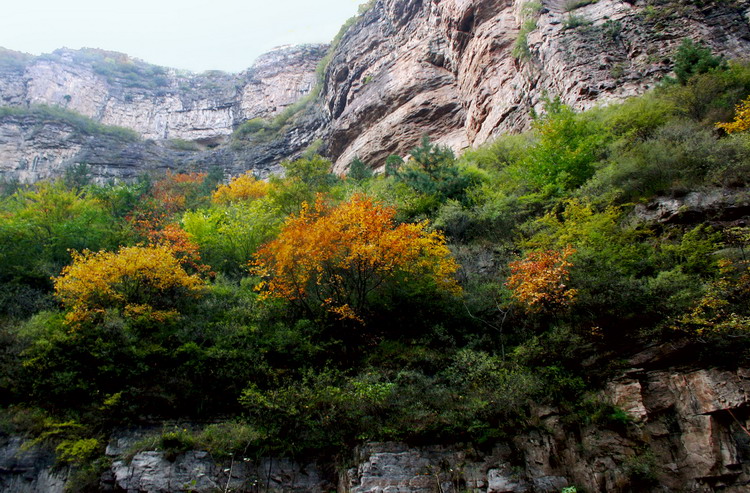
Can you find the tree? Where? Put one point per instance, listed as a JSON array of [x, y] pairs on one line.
[[539, 280], [432, 170], [39, 225], [169, 196], [182, 246], [241, 188], [339, 258], [140, 282], [694, 58], [741, 121], [359, 171], [228, 235], [567, 146]]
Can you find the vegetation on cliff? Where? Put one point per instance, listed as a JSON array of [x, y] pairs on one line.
[[435, 301]]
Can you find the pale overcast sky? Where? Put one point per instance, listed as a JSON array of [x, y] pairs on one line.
[[189, 34]]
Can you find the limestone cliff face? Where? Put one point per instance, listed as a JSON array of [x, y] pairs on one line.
[[445, 68], [161, 103]]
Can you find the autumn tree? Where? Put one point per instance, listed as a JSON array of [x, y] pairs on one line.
[[538, 281], [139, 282], [181, 244], [241, 188], [173, 194], [741, 121], [338, 258]]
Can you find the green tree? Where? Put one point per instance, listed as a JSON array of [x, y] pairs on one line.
[[433, 172], [694, 58], [359, 171]]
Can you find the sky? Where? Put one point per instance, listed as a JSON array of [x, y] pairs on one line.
[[196, 35]]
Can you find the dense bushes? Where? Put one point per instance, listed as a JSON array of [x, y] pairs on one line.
[[433, 302]]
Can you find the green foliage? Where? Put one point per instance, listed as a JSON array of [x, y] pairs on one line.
[[433, 173], [565, 150], [694, 58], [184, 145], [41, 224], [13, 61], [574, 21], [576, 4], [424, 368], [118, 68], [521, 49], [359, 171], [222, 440], [229, 235], [305, 177]]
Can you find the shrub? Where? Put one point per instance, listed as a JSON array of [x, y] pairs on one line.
[[143, 283], [340, 258], [245, 187]]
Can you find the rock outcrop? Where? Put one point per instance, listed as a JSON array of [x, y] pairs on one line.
[[447, 68], [29, 471], [161, 103], [460, 71], [724, 206]]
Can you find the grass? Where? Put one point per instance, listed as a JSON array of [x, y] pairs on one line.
[[83, 124]]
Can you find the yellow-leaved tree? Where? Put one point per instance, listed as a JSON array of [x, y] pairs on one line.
[[241, 188], [741, 121], [140, 282], [339, 258]]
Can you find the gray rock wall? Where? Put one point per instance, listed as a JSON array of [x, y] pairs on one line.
[[445, 67], [163, 103]]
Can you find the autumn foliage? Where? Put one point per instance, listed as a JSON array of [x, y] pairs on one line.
[[241, 188], [538, 281], [169, 196], [138, 281], [338, 257], [741, 121], [181, 244]]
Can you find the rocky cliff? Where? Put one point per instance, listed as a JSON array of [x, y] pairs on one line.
[[672, 429], [182, 119], [157, 102], [461, 71]]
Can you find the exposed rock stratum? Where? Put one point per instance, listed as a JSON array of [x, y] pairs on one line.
[[406, 68]]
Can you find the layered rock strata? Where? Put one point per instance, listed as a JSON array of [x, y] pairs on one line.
[[456, 70], [161, 103], [460, 71]]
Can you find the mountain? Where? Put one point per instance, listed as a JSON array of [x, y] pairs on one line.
[[459, 71]]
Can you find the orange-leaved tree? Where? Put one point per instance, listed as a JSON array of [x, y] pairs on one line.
[[171, 195], [241, 188], [538, 281], [140, 282], [182, 246], [339, 257], [741, 119]]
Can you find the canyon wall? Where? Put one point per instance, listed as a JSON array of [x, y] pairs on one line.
[[161, 103], [454, 70], [460, 71]]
